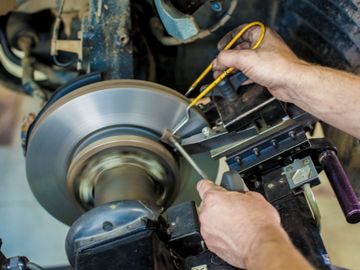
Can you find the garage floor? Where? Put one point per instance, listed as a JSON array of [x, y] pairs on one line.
[[27, 229]]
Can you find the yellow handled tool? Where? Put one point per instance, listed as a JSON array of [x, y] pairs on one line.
[[223, 75], [229, 70]]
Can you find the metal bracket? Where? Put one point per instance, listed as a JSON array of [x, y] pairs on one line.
[[300, 172], [177, 24]]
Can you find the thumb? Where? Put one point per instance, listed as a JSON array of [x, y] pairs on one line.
[[238, 59], [205, 186]]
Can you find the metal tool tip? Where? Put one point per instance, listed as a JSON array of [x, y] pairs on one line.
[[189, 91]]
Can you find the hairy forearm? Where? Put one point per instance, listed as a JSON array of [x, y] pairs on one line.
[[331, 95], [275, 251]]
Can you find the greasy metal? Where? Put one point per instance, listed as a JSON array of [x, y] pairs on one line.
[[270, 100], [311, 200], [88, 166], [201, 143], [107, 39], [160, 33], [73, 46], [124, 183], [57, 45], [188, 6], [179, 25], [94, 108], [29, 84]]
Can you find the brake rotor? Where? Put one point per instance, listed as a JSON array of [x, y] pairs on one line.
[[110, 108]]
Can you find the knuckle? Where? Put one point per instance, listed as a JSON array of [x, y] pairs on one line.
[[221, 57], [255, 33], [211, 197], [270, 30], [205, 233], [257, 195]]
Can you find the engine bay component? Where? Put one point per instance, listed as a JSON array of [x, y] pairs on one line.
[[184, 27], [179, 25], [84, 123], [94, 153]]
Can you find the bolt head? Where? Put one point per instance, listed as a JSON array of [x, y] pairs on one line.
[[206, 131], [216, 6], [270, 186]]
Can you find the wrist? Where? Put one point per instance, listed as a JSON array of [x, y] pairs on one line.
[[269, 237], [296, 81]]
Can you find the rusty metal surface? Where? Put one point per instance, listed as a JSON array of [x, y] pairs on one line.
[[107, 39], [7, 6], [9, 112]]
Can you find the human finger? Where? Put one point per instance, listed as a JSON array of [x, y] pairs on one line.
[[233, 58], [205, 186], [251, 36]]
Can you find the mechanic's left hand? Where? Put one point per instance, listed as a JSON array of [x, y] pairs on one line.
[[235, 224]]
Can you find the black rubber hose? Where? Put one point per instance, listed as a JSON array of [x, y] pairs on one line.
[[5, 46], [188, 6], [73, 85]]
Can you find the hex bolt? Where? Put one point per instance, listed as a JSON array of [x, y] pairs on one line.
[[274, 143], [108, 226], [206, 131], [219, 122], [238, 160], [292, 134], [256, 152], [270, 186]]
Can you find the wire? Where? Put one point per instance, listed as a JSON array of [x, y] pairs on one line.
[[60, 4], [229, 70], [63, 64]]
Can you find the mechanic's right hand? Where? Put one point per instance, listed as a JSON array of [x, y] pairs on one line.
[[272, 65], [236, 225]]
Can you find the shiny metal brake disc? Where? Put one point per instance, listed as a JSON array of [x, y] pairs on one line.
[[91, 113]]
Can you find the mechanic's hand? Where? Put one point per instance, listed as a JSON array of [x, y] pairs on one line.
[[272, 65], [234, 224]]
